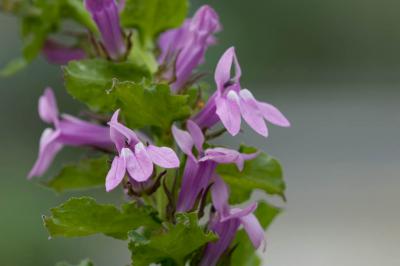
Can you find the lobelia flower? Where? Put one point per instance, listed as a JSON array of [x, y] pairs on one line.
[[57, 53], [68, 130], [135, 157], [186, 46], [230, 102], [199, 170], [227, 221], [106, 15]]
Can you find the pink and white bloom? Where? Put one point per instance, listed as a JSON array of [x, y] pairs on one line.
[[185, 47], [200, 169], [227, 221], [68, 130], [230, 103], [134, 157]]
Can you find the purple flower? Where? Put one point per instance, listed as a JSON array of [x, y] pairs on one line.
[[186, 46], [57, 53], [135, 157], [106, 15], [230, 102], [227, 221], [68, 130], [199, 170]]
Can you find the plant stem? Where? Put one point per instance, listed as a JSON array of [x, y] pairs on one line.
[[161, 200]]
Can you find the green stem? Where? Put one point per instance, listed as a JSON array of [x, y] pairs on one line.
[[161, 200]]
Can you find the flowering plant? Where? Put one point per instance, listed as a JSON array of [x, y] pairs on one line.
[[134, 64]]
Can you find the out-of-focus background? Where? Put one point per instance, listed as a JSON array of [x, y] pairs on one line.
[[333, 67]]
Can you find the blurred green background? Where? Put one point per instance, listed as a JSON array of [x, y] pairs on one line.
[[333, 67]]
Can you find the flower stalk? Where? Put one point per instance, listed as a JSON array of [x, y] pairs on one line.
[[152, 132]]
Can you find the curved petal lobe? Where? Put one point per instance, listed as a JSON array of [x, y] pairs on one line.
[[273, 115], [253, 229], [223, 70], [221, 155], [48, 110], [139, 165], [251, 114], [196, 133], [184, 140], [116, 173], [228, 111], [236, 213], [164, 157], [220, 196], [48, 149]]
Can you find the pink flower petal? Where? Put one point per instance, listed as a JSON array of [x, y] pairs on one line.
[[139, 164], [273, 115], [223, 70], [128, 133], [196, 133], [221, 155], [251, 114], [240, 162], [116, 173], [48, 110], [253, 229], [188, 186], [228, 111], [250, 156], [120, 134], [239, 213], [220, 196], [226, 156], [244, 157], [184, 140], [164, 157], [48, 149], [77, 132]]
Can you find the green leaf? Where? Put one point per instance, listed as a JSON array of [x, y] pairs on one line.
[[13, 67], [142, 56], [173, 245], [87, 173], [154, 16], [37, 25], [85, 262], [150, 105], [244, 253], [90, 81], [266, 213], [41, 18], [84, 216], [263, 172], [76, 10]]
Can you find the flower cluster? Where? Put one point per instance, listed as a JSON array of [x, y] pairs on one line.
[[177, 162]]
